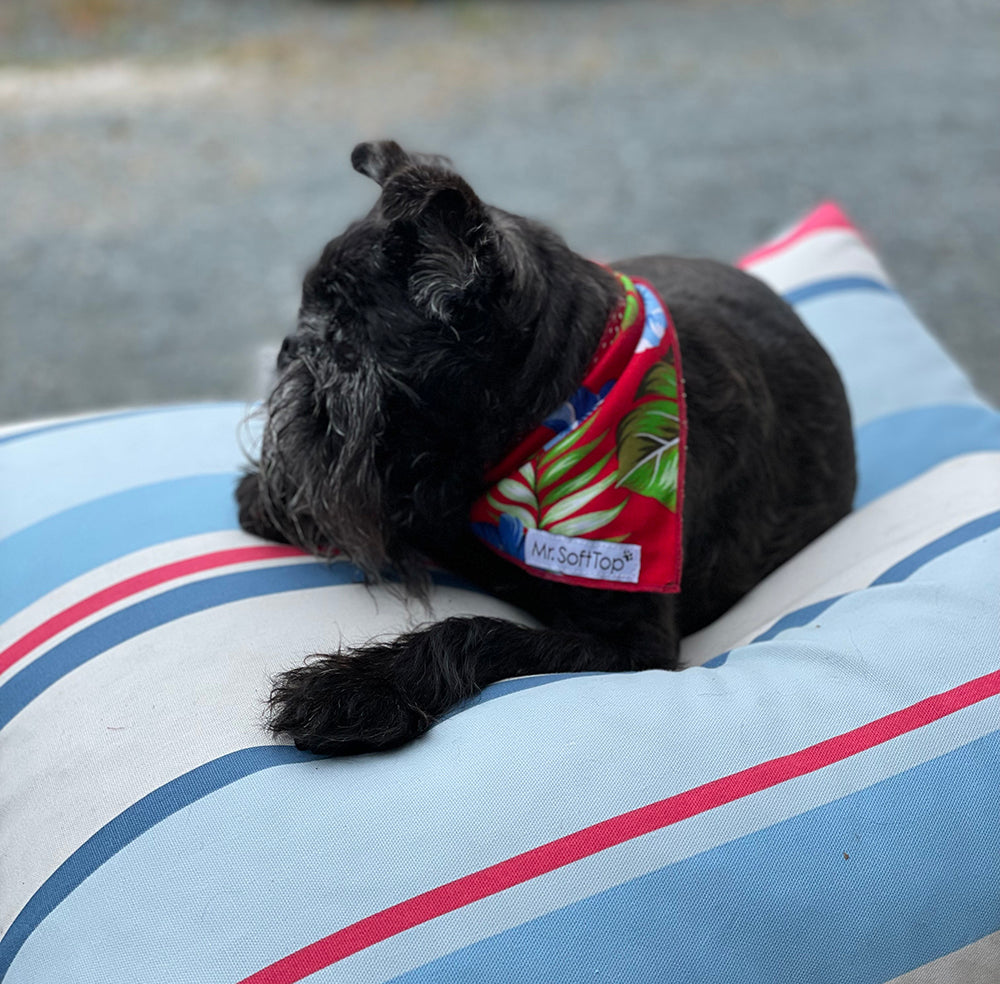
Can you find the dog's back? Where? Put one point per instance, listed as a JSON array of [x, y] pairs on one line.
[[771, 452]]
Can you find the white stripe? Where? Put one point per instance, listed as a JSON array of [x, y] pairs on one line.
[[858, 549], [977, 963], [822, 255]]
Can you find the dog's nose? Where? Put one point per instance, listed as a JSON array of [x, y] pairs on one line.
[[287, 351]]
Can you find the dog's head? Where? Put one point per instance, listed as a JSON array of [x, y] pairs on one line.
[[431, 335]]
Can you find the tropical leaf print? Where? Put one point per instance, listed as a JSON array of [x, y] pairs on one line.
[[587, 522], [562, 498], [648, 438], [519, 489], [569, 504], [566, 453], [562, 489], [527, 518], [551, 471], [660, 381], [542, 497]]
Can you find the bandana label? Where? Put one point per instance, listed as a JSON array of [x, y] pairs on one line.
[[594, 495], [597, 560]]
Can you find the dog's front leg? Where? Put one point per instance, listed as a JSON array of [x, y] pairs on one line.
[[384, 695], [253, 514]]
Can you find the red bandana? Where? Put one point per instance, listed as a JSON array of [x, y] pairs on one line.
[[594, 495]]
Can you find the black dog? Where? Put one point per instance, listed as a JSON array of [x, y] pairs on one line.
[[433, 335]]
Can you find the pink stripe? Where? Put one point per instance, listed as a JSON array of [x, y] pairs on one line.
[[133, 585], [826, 216], [617, 830]]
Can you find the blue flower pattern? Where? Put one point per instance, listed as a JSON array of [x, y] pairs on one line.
[[574, 410], [507, 537]]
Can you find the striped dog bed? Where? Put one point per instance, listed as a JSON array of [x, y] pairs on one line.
[[816, 799]]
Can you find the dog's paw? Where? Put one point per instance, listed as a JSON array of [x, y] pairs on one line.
[[252, 516], [342, 705]]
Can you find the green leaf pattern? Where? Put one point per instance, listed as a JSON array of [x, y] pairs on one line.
[[587, 522], [565, 506], [647, 443], [648, 438]]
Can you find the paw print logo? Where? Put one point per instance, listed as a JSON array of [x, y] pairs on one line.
[[627, 556]]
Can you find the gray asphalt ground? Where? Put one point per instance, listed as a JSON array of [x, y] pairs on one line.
[[169, 171]]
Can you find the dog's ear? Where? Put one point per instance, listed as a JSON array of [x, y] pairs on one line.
[[453, 238], [378, 160], [381, 159]]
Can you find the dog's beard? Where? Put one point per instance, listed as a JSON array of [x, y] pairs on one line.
[[319, 482]]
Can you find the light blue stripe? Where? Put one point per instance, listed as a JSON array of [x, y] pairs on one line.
[[895, 449], [888, 360], [64, 467], [52, 552], [784, 903]]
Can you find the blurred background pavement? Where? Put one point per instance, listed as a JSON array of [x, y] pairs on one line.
[[168, 171]]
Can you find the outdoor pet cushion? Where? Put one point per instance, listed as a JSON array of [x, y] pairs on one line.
[[818, 802]]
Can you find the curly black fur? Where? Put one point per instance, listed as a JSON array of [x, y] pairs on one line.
[[436, 332]]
